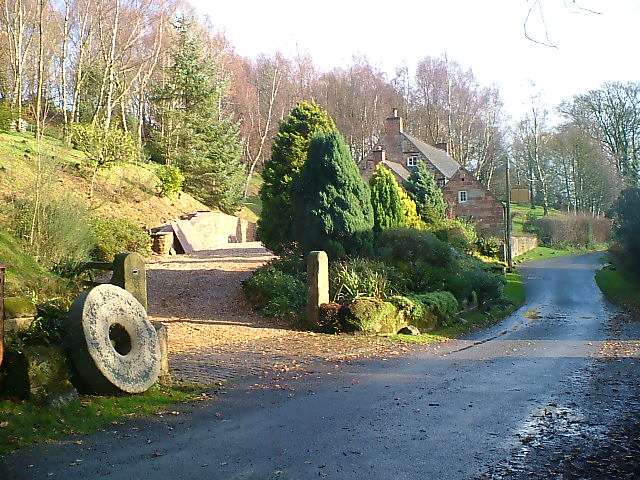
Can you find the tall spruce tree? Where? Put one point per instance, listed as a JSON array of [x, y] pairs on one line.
[[331, 202], [422, 189], [288, 154], [386, 200], [193, 134]]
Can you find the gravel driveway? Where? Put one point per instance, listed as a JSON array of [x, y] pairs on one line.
[[213, 334]]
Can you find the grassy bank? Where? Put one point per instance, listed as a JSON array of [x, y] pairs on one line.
[[619, 288], [23, 423]]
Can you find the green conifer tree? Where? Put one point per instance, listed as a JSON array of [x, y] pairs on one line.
[[411, 217], [332, 203], [422, 189], [386, 200], [288, 154], [193, 134]]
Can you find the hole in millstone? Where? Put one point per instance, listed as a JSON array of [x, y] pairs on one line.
[[120, 339]]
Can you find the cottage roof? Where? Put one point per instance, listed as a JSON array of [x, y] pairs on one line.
[[438, 158], [398, 169]]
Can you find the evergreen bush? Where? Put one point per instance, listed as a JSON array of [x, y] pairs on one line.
[[171, 180], [288, 154], [421, 187], [386, 200], [275, 293], [405, 247], [118, 235], [331, 202]]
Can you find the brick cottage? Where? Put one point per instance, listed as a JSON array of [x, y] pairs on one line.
[[466, 197]]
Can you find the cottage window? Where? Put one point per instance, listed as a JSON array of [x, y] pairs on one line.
[[412, 161], [462, 196], [440, 182]]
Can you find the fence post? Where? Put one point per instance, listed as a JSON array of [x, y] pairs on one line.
[[3, 267], [317, 285]]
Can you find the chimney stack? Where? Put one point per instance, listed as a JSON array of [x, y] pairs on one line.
[[394, 123], [443, 146]]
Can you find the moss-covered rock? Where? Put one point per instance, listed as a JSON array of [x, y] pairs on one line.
[[374, 316], [35, 372], [19, 307]]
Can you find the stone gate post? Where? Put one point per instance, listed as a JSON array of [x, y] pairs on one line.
[[317, 285]]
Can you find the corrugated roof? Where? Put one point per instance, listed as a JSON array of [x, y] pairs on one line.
[[439, 158], [398, 169]]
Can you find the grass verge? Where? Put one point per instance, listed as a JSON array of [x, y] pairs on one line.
[[620, 289], [513, 296], [22, 423]]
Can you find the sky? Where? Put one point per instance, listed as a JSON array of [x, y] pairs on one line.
[[594, 44]]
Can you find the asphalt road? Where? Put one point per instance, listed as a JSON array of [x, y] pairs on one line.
[[502, 403]]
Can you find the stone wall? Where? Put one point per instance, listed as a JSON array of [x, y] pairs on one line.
[[522, 242], [481, 208], [216, 229]]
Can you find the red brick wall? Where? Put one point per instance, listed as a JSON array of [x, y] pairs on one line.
[[481, 208]]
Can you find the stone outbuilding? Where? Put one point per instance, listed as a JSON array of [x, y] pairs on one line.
[[466, 197]]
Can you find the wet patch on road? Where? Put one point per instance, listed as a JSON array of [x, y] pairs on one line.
[[593, 431]]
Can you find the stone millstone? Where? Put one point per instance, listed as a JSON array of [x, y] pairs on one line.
[[113, 344]]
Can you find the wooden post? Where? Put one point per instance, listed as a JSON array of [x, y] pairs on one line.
[[3, 266]]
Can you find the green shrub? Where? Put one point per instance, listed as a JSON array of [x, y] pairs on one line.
[[118, 235], [47, 329], [489, 247], [171, 180], [55, 231], [443, 304], [292, 264], [275, 293], [7, 117], [370, 315], [488, 287], [359, 277], [405, 246], [457, 233]]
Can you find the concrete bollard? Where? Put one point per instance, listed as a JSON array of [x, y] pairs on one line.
[[130, 273], [317, 285]]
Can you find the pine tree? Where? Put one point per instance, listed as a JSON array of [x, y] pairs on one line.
[[193, 133], [386, 200], [288, 154], [331, 201], [422, 189]]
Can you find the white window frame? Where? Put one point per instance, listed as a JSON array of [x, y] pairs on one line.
[[412, 161], [463, 196]]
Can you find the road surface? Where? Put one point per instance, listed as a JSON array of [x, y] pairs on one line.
[[538, 396]]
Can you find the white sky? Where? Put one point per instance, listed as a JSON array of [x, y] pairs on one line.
[[486, 36]]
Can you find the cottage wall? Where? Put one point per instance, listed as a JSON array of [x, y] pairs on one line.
[[481, 207]]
